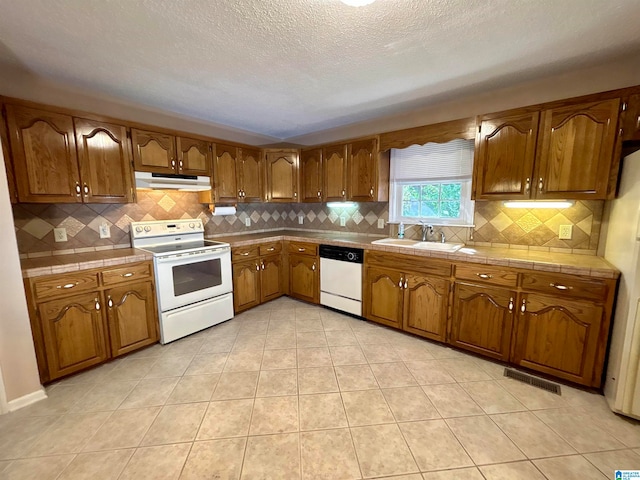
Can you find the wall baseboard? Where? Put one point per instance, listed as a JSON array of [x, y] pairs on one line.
[[27, 400]]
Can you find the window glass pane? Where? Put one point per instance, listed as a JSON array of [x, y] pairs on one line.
[[451, 191], [431, 192], [411, 209], [410, 192], [429, 209], [450, 209]]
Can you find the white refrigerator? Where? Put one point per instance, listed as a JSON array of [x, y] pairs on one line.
[[622, 250]]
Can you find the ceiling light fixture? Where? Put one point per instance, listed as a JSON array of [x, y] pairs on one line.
[[539, 204], [357, 3]]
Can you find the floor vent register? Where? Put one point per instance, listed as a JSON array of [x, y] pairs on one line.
[[531, 380]]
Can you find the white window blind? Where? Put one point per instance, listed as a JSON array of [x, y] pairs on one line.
[[433, 161]]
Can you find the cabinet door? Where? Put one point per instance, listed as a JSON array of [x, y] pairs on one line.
[[361, 165], [270, 278], [44, 156], [153, 152], [74, 333], [334, 169], [304, 278], [504, 155], [282, 176], [104, 155], [8, 164], [631, 126], [246, 285], [558, 337], [482, 319], [311, 175], [225, 178], [194, 156], [132, 317], [425, 306], [251, 175], [383, 296], [575, 150]]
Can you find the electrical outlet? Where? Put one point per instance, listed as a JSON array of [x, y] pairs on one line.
[[105, 231], [381, 223], [300, 219], [60, 234], [343, 221], [247, 222], [565, 232]]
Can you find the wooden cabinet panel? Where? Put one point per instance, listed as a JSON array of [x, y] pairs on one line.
[[483, 319], [194, 156], [74, 333], [362, 175], [566, 286], [270, 278], [153, 151], [504, 156], [128, 273], [244, 253], [251, 175], [575, 150], [489, 274], [303, 248], [132, 318], [334, 170], [270, 248], [105, 162], [8, 163], [311, 175], [246, 285], [225, 178], [64, 284], [417, 265], [282, 176], [631, 125], [425, 306], [44, 156], [559, 338], [304, 278], [383, 296]]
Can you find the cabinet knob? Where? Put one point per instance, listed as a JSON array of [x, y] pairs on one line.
[[511, 304], [527, 185], [400, 282], [180, 165], [313, 267], [484, 276], [301, 249], [128, 274], [344, 193], [173, 163], [295, 194], [109, 302], [245, 254], [97, 304], [86, 189], [559, 286], [406, 284], [540, 184], [271, 249], [371, 192], [262, 265], [257, 267], [68, 285], [319, 195], [523, 307], [78, 190]]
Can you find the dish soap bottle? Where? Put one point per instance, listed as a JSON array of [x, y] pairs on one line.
[[401, 230]]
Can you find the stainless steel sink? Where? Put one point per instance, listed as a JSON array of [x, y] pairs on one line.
[[407, 243]]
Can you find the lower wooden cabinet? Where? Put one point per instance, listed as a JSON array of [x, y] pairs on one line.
[[304, 277], [246, 285], [383, 294], [270, 278], [482, 319], [84, 318], [256, 278]]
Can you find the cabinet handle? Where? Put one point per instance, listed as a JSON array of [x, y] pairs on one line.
[[128, 274], [78, 190], [271, 249], [180, 165], [97, 304], [257, 267], [400, 282], [527, 185], [484, 276], [344, 193], [109, 302], [620, 132], [511, 304], [559, 286], [173, 163], [68, 285], [245, 254], [318, 193], [86, 189], [540, 184], [624, 106], [371, 192], [405, 283], [262, 265], [638, 122], [313, 267], [295, 194], [301, 249], [523, 307]]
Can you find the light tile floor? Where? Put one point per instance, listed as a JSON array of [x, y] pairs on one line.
[[290, 391]]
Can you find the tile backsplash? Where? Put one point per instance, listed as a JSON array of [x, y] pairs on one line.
[[495, 224]]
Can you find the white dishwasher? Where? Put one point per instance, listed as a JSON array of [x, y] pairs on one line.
[[341, 278]]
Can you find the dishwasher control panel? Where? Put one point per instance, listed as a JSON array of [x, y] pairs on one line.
[[343, 254]]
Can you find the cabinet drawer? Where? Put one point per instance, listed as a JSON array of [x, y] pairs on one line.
[[486, 274], [126, 273], [244, 253], [302, 248], [270, 248], [66, 284], [565, 285]]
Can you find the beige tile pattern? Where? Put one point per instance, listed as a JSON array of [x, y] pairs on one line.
[[452, 416]]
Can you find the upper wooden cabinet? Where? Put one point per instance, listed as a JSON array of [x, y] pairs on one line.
[[250, 173], [225, 179], [60, 159], [282, 176], [8, 164], [153, 152], [334, 173], [572, 158], [311, 175], [631, 122], [367, 172], [194, 156]]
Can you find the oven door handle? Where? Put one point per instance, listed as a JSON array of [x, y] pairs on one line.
[[192, 258]]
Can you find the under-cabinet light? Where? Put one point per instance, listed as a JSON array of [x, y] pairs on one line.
[[341, 204], [357, 3], [539, 204]]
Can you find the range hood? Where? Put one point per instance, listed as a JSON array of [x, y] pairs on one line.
[[191, 183]]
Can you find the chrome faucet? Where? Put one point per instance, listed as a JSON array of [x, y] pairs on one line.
[[443, 239], [427, 231]]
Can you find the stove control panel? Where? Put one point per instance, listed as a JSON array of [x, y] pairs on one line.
[[165, 227]]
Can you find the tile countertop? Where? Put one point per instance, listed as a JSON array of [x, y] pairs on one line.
[[571, 263], [35, 267]]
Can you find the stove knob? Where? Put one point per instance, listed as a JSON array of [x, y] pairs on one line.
[[192, 225], [147, 228], [138, 229]]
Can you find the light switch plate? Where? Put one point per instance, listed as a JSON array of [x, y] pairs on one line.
[[105, 231], [247, 222], [300, 219], [565, 232], [381, 223], [60, 234], [343, 221]]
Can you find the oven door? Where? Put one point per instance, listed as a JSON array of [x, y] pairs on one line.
[[186, 278]]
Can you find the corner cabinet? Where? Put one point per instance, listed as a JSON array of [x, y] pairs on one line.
[[84, 318], [282, 176]]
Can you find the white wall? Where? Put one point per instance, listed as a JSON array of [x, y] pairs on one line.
[[18, 367]]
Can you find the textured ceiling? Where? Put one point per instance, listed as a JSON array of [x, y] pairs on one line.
[[284, 68]]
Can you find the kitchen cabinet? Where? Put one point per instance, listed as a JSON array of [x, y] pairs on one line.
[[270, 277], [8, 164], [153, 151], [572, 159], [311, 175], [334, 173], [225, 179], [84, 318], [257, 274], [282, 176], [250, 175], [246, 285], [367, 172], [425, 301], [194, 156], [631, 122], [304, 271], [383, 296]]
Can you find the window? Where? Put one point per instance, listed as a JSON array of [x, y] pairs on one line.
[[432, 183]]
